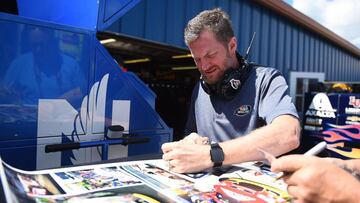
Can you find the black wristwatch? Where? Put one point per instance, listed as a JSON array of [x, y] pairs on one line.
[[216, 154]]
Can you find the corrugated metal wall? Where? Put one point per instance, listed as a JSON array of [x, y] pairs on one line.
[[279, 42]]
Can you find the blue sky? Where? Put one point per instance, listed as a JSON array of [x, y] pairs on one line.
[[339, 16]]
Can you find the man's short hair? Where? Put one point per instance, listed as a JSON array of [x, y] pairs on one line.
[[215, 20]]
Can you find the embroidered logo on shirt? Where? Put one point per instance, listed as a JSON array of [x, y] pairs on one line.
[[242, 110]]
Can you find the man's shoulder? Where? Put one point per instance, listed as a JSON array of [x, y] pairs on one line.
[[265, 71]]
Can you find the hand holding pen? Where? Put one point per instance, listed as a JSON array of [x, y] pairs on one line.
[[314, 179], [313, 151]]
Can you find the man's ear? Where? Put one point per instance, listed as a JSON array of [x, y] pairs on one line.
[[233, 45]]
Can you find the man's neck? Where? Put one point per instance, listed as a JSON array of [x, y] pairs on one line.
[[237, 60]]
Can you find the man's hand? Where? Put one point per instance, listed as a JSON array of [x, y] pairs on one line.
[[314, 179], [186, 156], [196, 139]]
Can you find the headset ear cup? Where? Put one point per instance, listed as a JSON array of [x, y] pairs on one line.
[[206, 87], [230, 83]]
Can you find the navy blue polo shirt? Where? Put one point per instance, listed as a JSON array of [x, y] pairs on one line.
[[263, 97]]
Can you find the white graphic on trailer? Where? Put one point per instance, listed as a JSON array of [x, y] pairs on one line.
[[57, 117], [321, 106], [353, 101]]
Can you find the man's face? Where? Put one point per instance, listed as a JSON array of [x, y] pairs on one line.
[[212, 57]]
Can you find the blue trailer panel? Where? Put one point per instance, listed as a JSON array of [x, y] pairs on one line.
[[62, 88]]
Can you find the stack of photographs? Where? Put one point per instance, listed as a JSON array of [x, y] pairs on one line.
[[141, 181]]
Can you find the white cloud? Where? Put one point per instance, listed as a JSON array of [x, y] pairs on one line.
[[339, 16]]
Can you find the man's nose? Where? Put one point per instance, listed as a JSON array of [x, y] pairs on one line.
[[205, 65]]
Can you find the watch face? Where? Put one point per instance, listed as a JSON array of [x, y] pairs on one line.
[[217, 154]]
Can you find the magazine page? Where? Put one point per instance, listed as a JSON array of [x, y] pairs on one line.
[[93, 179], [19, 184], [256, 173], [250, 183], [5, 190]]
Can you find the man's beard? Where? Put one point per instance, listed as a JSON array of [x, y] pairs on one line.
[[227, 63]]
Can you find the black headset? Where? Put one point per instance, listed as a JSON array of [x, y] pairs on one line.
[[231, 81]]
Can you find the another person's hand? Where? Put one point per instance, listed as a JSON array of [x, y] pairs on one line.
[[312, 179], [185, 156]]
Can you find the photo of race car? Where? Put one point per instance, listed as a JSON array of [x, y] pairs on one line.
[[230, 190]]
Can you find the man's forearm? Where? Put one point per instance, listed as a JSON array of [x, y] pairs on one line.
[[281, 136]]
